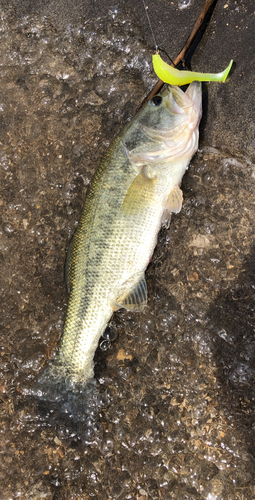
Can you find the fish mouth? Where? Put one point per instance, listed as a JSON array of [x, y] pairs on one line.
[[194, 92], [189, 102]]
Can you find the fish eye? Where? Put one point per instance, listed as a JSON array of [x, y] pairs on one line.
[[156, 100]]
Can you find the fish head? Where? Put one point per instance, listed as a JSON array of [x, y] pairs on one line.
[[173, 106], [166, 128]]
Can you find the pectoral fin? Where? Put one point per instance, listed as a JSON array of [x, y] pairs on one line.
[[133, 300], [174, 201], [141, 193]]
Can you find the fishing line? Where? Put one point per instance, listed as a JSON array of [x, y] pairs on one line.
[[146, 12], [154, 38]]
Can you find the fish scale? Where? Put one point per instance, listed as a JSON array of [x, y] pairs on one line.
[[135, 185]]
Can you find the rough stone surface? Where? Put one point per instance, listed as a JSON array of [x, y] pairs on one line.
[[173, 415]]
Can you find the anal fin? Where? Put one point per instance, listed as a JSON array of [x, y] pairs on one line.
[[134, 299], [166, 219]]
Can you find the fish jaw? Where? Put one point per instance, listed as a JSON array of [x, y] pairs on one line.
[[188, 104], [194, 92], [191, 98]]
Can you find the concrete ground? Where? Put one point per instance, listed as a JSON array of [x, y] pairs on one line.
[[230, 35], [173, 415]]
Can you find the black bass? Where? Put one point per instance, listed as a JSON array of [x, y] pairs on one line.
[[134, 191]]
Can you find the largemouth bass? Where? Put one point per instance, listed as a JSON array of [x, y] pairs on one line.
[[134, 191]]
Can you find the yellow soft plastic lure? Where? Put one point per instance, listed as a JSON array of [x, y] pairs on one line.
[[173, 76]]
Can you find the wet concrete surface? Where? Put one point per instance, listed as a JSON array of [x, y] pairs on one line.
[[173, 411]]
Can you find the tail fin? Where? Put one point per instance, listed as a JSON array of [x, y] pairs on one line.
[[69, 407]]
